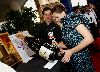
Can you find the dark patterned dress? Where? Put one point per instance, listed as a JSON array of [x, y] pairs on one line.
[[81, 60]]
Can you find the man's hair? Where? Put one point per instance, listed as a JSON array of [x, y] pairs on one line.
[[75, 8], [45, 9], [58, 8]]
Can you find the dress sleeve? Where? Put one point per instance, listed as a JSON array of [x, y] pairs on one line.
[[71, 22], [75, 22], [85, 21]]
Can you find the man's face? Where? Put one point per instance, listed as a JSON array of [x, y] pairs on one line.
[[78, 11], [91, 6], [47, 16], [87, 9]]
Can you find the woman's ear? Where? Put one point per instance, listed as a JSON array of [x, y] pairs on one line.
[[63, 14]]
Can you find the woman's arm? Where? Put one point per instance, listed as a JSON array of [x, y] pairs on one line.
[[88, 38]]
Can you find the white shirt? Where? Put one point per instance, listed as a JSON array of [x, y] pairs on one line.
[[91, 16]]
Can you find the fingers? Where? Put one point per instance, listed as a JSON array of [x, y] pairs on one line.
[[65, 59], [62, 46], [54, 43], [67, 56], [61, 51], [20, 35]]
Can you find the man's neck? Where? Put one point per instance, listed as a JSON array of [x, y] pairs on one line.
[[48, 22]]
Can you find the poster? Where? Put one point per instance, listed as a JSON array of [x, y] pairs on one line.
[[7, 48], [24, 51]]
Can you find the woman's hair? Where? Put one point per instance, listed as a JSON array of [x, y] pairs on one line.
[[58, 8]]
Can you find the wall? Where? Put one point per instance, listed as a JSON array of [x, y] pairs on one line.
[[6, 5]]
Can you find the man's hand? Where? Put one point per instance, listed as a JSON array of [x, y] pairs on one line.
[[20, 35], [60, 45]]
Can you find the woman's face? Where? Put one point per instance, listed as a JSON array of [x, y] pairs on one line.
[[57, 16]]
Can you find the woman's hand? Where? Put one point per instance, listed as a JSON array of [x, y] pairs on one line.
[[67, 55]]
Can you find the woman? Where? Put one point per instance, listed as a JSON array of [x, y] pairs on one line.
[[77, 37]]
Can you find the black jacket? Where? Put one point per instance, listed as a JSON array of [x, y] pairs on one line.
[[44, 29]]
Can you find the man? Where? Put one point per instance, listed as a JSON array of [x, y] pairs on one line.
[[49, 31], [77, 12], [92, 19]]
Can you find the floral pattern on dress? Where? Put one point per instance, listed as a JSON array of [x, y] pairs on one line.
[[80, 60]]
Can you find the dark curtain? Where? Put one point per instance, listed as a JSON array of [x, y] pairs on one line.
[[67, 4], [91, 1]]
